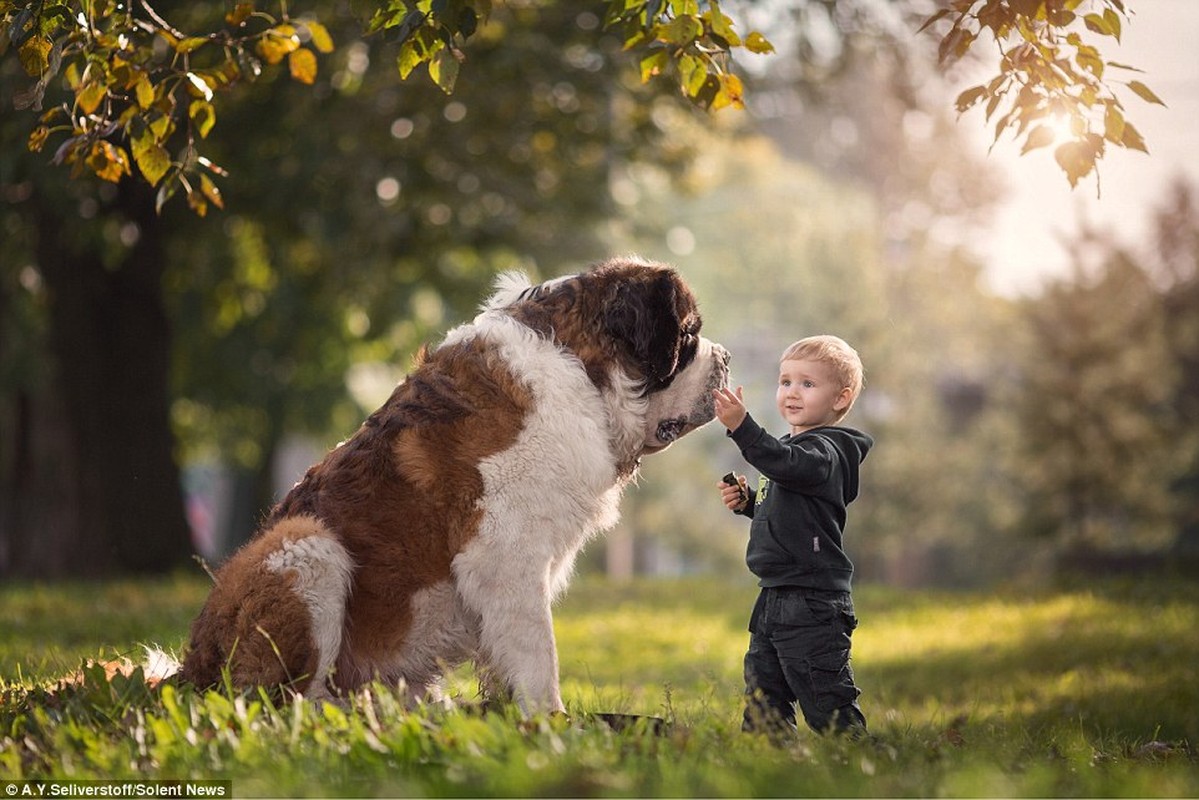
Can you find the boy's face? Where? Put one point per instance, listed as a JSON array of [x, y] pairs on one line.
[[809, 395]]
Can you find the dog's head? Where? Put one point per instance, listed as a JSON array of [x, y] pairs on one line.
[[653, 315], [635, 325]]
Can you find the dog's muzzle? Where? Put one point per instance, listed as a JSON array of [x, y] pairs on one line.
[[671, 429]]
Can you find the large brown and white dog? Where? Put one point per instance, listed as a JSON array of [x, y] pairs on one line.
[[442, 531]]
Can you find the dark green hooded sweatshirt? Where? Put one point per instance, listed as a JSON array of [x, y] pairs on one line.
[[799, 507]]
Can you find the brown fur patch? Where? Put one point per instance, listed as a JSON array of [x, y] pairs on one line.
[[400, 496], [253, 622]]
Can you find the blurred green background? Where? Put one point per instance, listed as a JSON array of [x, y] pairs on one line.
[[163, 378]]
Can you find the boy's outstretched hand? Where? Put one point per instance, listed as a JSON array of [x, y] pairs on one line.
[[730, 407]]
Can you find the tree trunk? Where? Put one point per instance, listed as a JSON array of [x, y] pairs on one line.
[[117, 487]]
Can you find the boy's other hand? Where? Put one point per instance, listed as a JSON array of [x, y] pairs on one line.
[[730, 407], [734, 496]]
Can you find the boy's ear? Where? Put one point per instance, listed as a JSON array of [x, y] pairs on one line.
[[843, 399]]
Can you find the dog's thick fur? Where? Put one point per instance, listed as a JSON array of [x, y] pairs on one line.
[[445, 527]]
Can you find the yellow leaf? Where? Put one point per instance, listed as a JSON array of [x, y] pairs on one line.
[[198, 86], [162, 127], [108, 161], [757, 43], [1076, 159], [1131, 137], [35, 55], [211, 191], [302, 64], [90, 97], [240, 13], [731, 93], [408, 59], [203, 115], [321, 39], [145, 91], [1145, 93], [196, 201], [1113, 124], [1040, 136], [189, 44], [277, 42], [151, 158], [38, 138]]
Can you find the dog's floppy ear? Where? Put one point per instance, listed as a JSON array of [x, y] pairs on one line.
[[644, 315]]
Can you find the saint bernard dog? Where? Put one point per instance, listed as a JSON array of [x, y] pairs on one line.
[[442, 531]]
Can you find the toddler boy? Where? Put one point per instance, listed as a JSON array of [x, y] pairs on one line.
[[802, 622]]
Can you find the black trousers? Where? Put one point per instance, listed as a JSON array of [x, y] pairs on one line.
[[799, 655]]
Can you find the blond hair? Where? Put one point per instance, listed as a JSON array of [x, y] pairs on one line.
[[836, 353]]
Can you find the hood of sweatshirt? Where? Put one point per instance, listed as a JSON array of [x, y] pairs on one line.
[[853, 446]]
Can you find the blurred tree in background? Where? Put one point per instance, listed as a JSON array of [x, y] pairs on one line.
[[364, 216], [370, 214]]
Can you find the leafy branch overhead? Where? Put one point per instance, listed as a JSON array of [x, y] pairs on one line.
[[139, 94], [1052, 84]]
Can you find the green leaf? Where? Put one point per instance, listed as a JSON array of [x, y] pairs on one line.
[[443, 69], [409, 59], [653, 64], [692, 74], [681, 31], [1145, 93], [165, 193]]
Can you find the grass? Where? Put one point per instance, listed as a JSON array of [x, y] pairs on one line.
[[1089, 691]]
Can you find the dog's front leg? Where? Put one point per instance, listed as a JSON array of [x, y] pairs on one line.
[[516, 634]]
